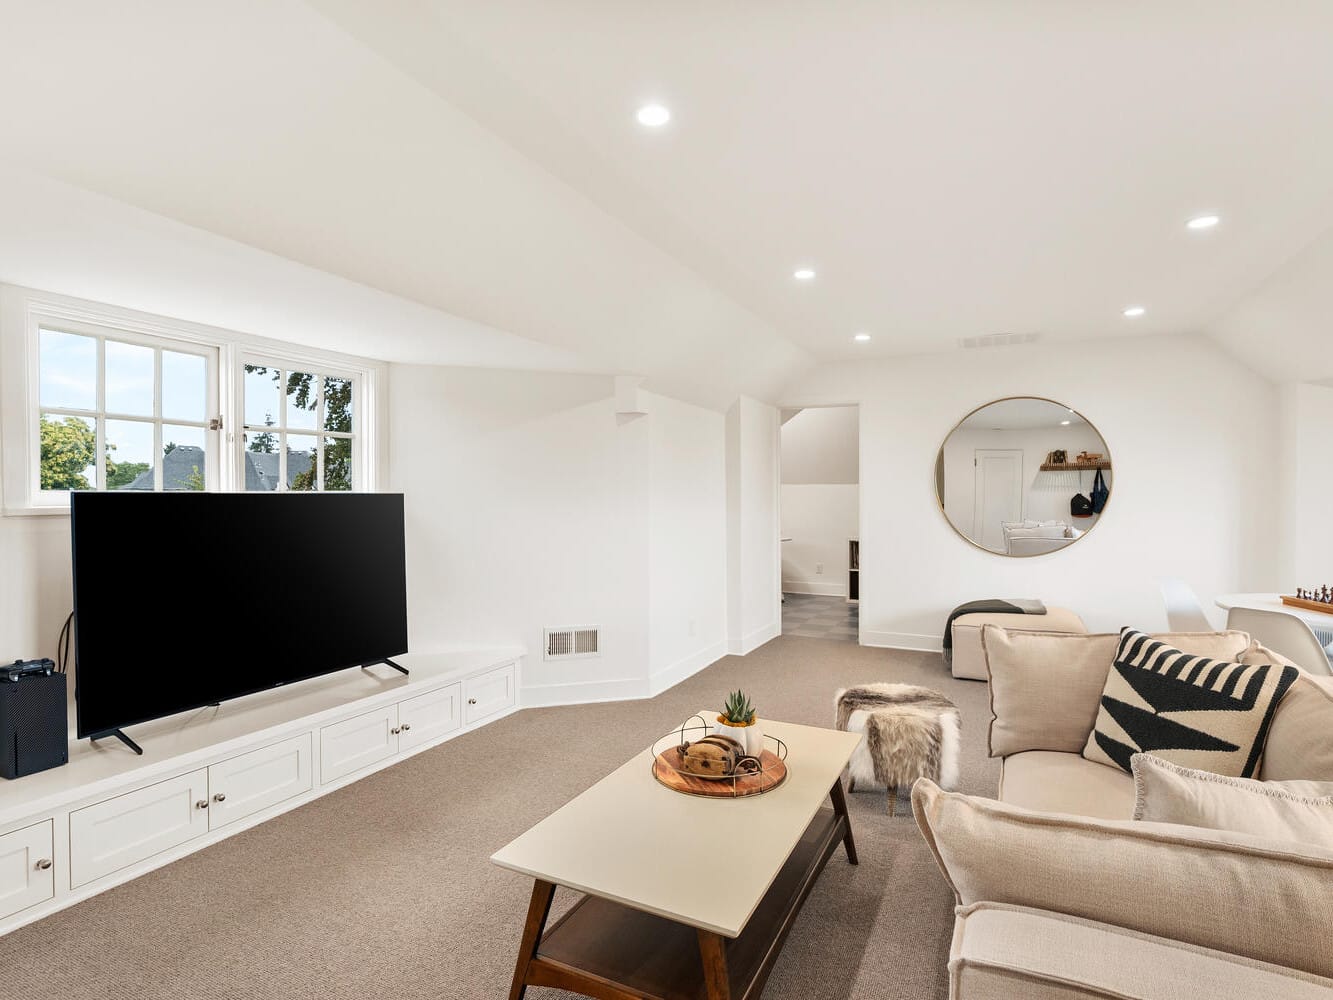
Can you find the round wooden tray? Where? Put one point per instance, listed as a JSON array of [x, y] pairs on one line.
[[666, 769]]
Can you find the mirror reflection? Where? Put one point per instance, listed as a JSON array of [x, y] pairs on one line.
[[1023, 476]]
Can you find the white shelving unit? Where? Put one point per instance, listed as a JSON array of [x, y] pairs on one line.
[[853, 571]]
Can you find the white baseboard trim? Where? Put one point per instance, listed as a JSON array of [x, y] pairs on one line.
[[582, 692], [669, 677], [814, 587], [749, 643], [903, 640]]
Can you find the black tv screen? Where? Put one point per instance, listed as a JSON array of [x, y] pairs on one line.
[[187, 599]]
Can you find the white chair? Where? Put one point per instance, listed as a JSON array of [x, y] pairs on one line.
[[1184, 613], [1285, 634]]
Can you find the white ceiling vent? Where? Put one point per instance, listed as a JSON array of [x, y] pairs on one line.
[[998, 340], [571, 642]]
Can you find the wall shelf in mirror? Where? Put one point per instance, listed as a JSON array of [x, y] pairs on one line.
[[1076, 467]]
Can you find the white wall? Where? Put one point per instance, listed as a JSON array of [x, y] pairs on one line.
[[821, 444], [687, 593], [819, 518], [531, 504], [1046, 495], [754, 598], [1192, 433], [1305, 479]]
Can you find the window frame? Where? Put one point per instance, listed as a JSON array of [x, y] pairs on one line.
[[100, 414], [287, 363], [24, 312]]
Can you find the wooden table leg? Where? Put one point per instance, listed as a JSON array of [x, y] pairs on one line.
[[538, 910], [840, 807], [713, 951]]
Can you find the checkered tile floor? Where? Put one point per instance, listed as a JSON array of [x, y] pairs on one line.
[[820, 617]]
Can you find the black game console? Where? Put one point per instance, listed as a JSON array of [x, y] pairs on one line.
[[34, 723]]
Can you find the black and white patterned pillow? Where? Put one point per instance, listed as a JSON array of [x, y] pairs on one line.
[[1208, 714]]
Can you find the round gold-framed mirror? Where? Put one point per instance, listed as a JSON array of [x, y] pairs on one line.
[[1023, 476]]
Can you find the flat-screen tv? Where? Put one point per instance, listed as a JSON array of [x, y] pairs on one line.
[[187, 599]]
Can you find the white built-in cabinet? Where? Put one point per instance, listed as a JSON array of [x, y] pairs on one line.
[[91, 845], [27, 871]]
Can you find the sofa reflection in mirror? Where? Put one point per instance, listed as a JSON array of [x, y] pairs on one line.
[[1023, 476]]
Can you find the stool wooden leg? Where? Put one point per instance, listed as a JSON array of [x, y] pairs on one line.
[[893, 800]]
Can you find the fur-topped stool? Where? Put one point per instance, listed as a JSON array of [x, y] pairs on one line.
[[910, 732]]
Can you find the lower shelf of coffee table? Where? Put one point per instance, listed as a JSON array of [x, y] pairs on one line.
[[635, 954]]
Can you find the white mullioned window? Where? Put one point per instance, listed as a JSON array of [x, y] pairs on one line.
[[120, 411], [299, 430], [94, 397]]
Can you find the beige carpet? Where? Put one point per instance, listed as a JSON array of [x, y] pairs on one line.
[[383, 889]]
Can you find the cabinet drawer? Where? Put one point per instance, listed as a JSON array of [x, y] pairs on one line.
[[119, 832], [253, 781], [27, 876], [488, 693], [358, 742], [429, 716]]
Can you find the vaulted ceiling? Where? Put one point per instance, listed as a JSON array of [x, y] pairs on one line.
[[949, 169]]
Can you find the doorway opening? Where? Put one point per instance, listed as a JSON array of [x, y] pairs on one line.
[[820, 522]]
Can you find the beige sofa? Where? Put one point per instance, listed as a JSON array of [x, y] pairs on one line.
[[1062, 896]]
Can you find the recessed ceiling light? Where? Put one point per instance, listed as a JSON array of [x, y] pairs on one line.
[[1134, 312], [803, 274], [1203, 222], [1065, 423], [861, 338], [653, 115]]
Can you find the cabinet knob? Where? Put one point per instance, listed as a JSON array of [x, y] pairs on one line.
[[407, 726], [472, 701], [396, 730], [220, 797], [201, 804], [44, 865]]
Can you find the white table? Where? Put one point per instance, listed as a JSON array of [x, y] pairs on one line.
[[685, 896], [1273, 602]]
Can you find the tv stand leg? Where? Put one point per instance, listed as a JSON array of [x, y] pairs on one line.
[[396, 666], [118, 734]]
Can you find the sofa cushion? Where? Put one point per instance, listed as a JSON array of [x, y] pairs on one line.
[[969, 659], [1300, 741], [1045, 688], [1005, 952], [1049, 781], [1192, 710], [1278, 810], [1226, 891]]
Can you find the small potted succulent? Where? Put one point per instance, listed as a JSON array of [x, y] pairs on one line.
[[738, 722]]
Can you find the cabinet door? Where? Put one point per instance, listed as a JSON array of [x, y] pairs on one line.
[[488, 693], [119, 832], [27, 876], [253, 781], [429, 716], [358, 742]]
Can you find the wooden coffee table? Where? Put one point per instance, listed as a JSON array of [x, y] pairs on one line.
[[686, 898]]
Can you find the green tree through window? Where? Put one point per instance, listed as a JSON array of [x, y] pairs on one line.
[[69, 449]]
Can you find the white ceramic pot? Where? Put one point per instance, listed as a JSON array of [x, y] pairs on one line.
[[751, 737]]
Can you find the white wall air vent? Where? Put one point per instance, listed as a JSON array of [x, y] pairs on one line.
[[575, 641], [998, 340]]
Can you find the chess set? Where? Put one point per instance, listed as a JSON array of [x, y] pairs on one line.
[[1318, 599]]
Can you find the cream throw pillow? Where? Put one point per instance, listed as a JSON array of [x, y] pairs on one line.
[[1300, 742], [1188, 709], [1046, 687], [1235, 893], [1277, 810]]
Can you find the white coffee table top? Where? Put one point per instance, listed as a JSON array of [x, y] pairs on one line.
[[699, 861]]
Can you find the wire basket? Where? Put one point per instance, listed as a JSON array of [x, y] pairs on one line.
[[762, 774]]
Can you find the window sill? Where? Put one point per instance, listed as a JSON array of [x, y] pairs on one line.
[[49, 511]]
